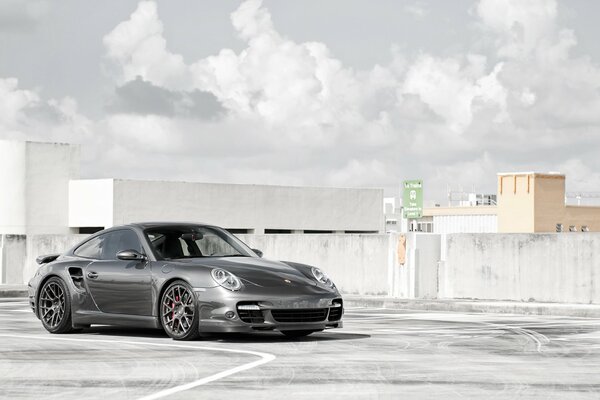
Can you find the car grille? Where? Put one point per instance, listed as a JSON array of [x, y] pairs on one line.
[[335, 313], [250, 316], [300, 315]]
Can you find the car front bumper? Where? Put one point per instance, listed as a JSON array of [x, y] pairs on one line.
[[224, 311]]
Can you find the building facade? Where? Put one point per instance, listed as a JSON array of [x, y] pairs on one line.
[[42, 194], [535, 202]]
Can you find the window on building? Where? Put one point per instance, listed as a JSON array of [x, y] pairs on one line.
[[234, 231], [277, 231], [559, 227], [88, 230], [425, 227], [316, 231]]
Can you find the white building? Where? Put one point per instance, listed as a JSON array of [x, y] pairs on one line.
[[34, 182], [96, 204]]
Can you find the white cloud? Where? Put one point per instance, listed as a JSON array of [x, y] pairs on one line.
[[521, 26], [139, 47], [449, 88], [25, 116], [297, 97], [13, 103], [294, 113]]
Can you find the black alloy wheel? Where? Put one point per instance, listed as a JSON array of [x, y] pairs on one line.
[[178, 314], [54, 306]]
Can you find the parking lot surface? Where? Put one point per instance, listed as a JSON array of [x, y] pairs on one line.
[[379, 354]]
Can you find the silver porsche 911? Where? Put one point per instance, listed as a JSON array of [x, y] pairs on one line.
[[187, 279]]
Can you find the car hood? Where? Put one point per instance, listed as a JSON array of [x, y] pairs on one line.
[[258, 271]]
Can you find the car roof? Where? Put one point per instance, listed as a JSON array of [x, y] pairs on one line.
[[146, 225]]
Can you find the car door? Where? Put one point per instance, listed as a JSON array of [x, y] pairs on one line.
[[119, 286]]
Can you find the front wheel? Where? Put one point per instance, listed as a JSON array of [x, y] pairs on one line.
[[178, 314], [55, 306], [298, 334]]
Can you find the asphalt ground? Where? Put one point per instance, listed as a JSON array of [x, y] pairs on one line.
[[379, 354]]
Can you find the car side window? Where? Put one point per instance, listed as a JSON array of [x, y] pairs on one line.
[[120, 240], [92, 248]]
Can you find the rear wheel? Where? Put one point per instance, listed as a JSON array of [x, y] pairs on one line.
[[298, 334], [178, 314], [55, 306]]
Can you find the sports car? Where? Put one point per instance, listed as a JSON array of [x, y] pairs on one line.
[[187, 279]]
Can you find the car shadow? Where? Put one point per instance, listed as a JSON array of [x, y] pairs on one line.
[[258, 337], [276, 337], [125, 331]]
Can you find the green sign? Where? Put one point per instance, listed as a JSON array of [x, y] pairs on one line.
[[412, 199]]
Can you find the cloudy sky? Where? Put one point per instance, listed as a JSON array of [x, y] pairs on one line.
[[334, 93]]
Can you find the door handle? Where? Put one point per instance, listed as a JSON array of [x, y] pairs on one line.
[[92, 275]]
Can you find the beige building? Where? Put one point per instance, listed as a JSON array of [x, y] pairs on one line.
[[535, 202], [526, 202]]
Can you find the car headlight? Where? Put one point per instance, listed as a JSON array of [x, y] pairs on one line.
[[322, 277], [226, 279]]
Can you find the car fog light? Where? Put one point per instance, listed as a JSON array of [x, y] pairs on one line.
[[230, 314]]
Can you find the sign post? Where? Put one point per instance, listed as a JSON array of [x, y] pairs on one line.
[[412, 199]]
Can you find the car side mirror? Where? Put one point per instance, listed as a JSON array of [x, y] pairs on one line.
[[258, 252], [131, 255]]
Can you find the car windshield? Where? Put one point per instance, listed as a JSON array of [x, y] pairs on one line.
[[175, 242]]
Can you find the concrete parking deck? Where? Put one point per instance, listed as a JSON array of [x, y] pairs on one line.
[[381, 353]]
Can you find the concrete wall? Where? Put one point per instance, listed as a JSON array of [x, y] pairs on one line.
[[34, 180], [12, 181], [542, 267], [256, 207], [12, 250], [422, 260], [50, 166], [38, 245]]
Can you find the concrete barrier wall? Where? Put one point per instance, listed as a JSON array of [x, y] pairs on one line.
[[423, 259], [358, 264], [12, 249], [542, 267], [38, 245]]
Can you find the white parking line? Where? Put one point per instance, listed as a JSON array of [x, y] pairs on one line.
[[264, 358]]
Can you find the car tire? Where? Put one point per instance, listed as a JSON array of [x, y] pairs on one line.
[[54, 306], [299, 334], [178, 312]]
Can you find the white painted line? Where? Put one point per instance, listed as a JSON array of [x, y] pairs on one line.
[[264, 358]]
